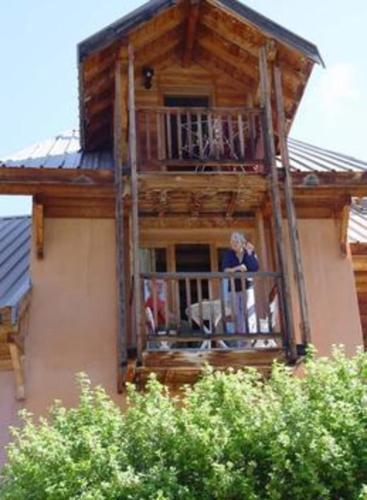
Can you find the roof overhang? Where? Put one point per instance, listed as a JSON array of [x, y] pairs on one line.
[[229, 37]]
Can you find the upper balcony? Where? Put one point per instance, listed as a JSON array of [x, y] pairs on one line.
[[183, 139]]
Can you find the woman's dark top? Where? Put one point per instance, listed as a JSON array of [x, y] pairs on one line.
[[230, 260]]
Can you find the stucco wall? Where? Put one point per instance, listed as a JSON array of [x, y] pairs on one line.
[[8, 409], [73, 312], [331, 291], [72, 325]]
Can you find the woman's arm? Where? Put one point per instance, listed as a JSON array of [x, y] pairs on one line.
[[251, 262], [239, 268]]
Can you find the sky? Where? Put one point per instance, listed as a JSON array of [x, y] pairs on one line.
[[39, 85]]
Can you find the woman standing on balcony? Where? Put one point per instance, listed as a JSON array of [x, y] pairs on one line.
[[240, 257]]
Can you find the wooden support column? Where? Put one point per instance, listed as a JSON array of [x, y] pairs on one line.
[[344, 229], [290, 208], [263, 286], [192, 24], [262, 249], [38, 213], [265, 90], [134, 205], [17, 364], [119, 228]]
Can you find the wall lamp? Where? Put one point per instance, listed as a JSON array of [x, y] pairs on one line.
[[148, 74]]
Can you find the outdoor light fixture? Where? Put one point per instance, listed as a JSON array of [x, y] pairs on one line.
[[311, 180], [148, 74]]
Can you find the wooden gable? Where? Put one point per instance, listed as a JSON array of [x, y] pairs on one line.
[[216, 35]]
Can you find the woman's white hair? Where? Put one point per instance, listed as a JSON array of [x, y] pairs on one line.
[[237, 236]]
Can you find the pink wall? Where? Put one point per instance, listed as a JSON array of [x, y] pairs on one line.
[[73, 313], [8, 409], [330, 285], [72, 324]]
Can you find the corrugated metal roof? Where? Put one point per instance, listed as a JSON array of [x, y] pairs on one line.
[[357, 229], [121, 27], [15, 247], [309, 158], [62, 151]]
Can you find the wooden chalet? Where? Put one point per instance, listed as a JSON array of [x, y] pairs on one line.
[[185, 111]]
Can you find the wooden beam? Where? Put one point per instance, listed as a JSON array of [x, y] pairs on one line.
[[204, 222], [191, 30], [161, 45], [134, 203], [344, 229], [119, 227], [196, 204], [38, 212], [148, 32], [290, 208], [271, 50], [286, 302], [189, 182], [163, 203], [5, 315], [17, 366], [228, 52], [247, 38], [232, 203], [213, 63]]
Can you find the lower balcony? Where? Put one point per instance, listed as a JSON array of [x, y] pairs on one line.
[[225, 320]]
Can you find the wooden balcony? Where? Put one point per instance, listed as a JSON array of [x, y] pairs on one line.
[[223, 319], [200, 139]]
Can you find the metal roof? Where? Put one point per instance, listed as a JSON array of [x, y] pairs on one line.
[[357, 229], [15, 249], [63, 151], [121, 27], [306, 157]]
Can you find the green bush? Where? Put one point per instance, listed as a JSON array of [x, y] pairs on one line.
[[231, 436]]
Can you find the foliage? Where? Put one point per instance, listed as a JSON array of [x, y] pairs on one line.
[[231, 436]]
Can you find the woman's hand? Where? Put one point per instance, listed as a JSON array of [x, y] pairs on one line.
[[242, 268], [249, 247]]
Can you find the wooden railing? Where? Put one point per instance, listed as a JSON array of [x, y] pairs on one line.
[[184, 137], [211, 310]]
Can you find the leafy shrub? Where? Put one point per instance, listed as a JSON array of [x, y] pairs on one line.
[[231, 436]]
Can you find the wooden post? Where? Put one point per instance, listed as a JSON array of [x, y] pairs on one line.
[[345, 214], [38, 212], [191, 29], [265, 90], [261, 241], [119, 228], [134, 205], [18, 370], [291, 211], [262, 287]]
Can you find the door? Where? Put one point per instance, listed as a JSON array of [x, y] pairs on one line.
[[192, 258], [186, 132]]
